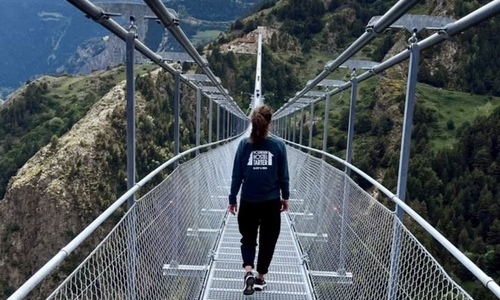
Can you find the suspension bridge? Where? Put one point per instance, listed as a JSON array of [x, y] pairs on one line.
[[337, 241]]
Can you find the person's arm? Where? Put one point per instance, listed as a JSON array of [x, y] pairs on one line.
[[236, 180], [284, 205], [283, 177]]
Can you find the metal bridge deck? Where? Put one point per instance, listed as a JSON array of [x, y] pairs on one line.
[[286, 278]]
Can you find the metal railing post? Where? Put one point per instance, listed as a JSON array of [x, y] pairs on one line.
[[131, 240], [210, 120], [177, 100], [285, 126], [130, 111], [228, 125], [301, 125], [325, 129], [289, 135], [280, 127], [311, 122], [346, 194], [294, 126], [224, 124], [404, 163], [198, 117], [218, 121], [352, 114]]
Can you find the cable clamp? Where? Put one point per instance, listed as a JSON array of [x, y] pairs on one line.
[[444, 33]]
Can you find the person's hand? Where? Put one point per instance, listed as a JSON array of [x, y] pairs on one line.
[[284, 205], [233, 208]]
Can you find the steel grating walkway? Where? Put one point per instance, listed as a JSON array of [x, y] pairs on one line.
[[286, 279]]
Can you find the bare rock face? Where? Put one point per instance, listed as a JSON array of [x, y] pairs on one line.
[[54, 195], [108, 51], [248, 43]]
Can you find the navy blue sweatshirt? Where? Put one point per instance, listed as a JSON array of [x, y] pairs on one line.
[[262, 169]]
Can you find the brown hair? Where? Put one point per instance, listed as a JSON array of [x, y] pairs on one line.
[[261, 118]]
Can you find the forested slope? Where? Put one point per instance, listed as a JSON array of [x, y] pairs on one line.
[[454, 170]]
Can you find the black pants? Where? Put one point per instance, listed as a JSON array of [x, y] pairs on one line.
[[251, 216]]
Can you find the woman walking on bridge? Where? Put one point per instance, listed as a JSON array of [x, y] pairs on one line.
[[261, 166]]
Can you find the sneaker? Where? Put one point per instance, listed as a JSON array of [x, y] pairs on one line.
[[260, 284], [249, 283]]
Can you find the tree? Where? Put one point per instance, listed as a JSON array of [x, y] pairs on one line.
[[274, 42], [493, 236]]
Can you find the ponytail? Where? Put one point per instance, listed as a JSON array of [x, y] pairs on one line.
[[261, 118]]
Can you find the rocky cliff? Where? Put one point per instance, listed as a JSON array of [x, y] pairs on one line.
[[56, 194], [107, 51]]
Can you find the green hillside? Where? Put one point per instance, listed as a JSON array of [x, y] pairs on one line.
[[47, 109], [455, 158], [453, 178]]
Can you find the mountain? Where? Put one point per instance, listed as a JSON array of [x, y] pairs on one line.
[[38, 37], [453, 173], [53, 37], [32, 218], [59, 133]]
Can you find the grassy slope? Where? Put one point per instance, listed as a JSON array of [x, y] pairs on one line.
[[203, 37], [67, 100], [457, 106], [447, 105]]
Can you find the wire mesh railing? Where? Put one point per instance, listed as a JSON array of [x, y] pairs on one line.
[[357, 265], [176, 226], [163, 247]]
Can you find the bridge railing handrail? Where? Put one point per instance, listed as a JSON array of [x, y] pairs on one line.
[[466, 262], [394, 13], [103, 18], [44, 271], [479, 15], [172, 24]]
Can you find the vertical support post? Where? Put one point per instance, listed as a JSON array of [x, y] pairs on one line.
[[131, 242], [285, 126], [210, 120], [352, 114], [130, 47], [198, 118], [301, 125], [294, 126], [198, 134], [228, 120], [177, 100], [288, 129], [224, 125], [218, 121], [407, 126], [280, 126], [311, 122], [346, 194], [276, 127], [404, 162], [327, 122]]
